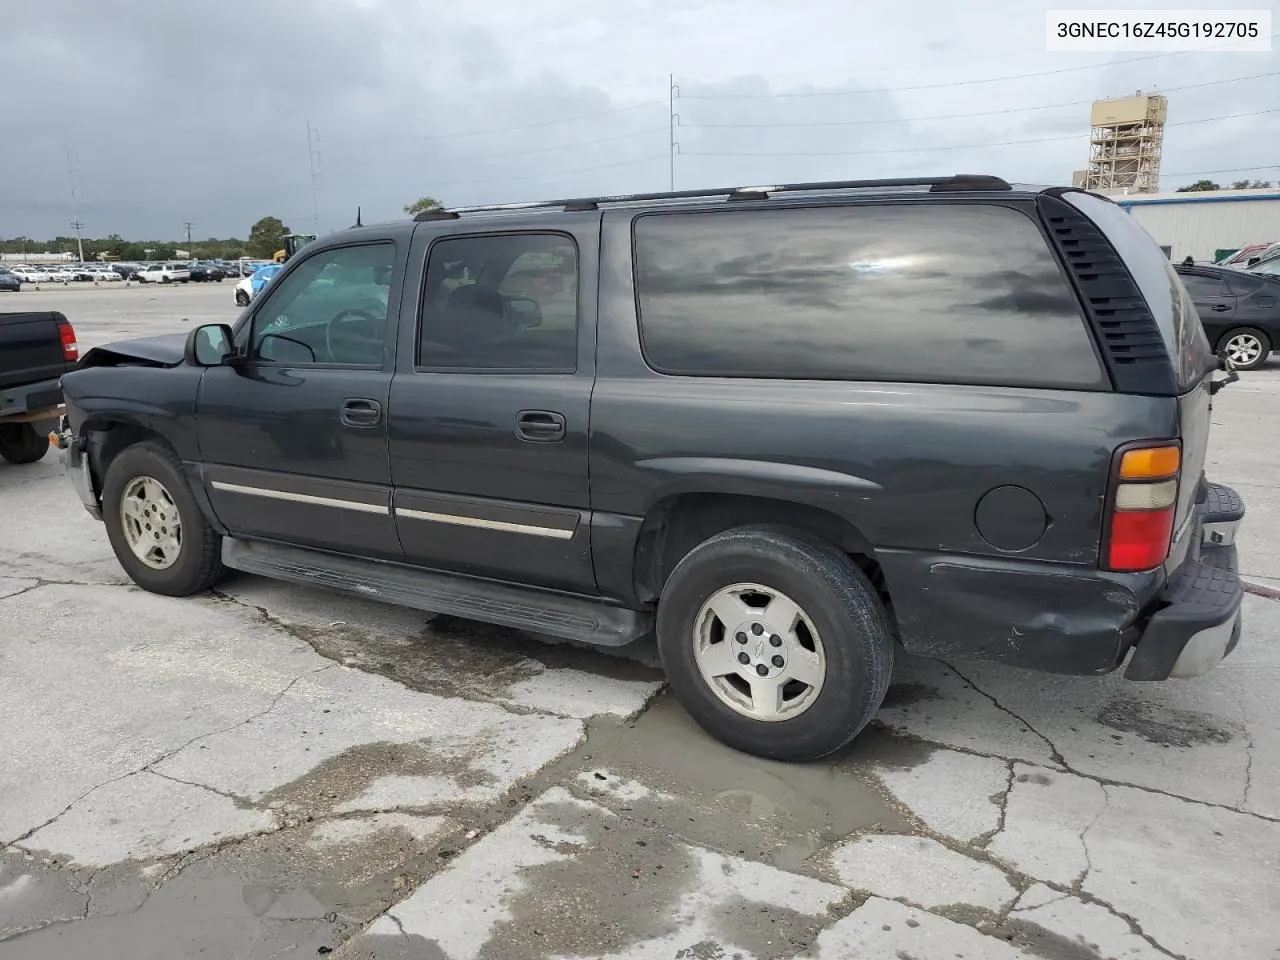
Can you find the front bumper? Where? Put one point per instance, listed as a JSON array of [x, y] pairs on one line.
[[1197, 621], [75, 461]]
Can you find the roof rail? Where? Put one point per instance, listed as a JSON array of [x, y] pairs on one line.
[[958, 182]]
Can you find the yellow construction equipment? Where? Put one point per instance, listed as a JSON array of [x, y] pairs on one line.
[[292, 244]]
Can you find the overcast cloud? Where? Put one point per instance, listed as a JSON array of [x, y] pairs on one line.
[[199, 112]]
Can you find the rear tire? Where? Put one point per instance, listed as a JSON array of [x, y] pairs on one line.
[[820, 619], [195, 563], [20, 443], [1249, 344]]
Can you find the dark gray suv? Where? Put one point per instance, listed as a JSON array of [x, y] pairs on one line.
[[790, 429]]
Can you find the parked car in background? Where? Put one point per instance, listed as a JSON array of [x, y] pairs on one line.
[[9, 280], [202, 271], [126, 271], [1240, 259], [1240, 312], [31, 274], [60, 274], [36, 349], [104, 274], [164, 273], [1266, 268], [252, 285]]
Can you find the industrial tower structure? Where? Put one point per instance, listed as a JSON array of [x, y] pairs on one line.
[[1124, 149]]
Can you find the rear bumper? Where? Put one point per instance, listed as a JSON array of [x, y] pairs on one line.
[[31, 401], [1066, 618], [1197, 621]]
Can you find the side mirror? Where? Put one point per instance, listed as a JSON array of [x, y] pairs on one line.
[[209, 345]]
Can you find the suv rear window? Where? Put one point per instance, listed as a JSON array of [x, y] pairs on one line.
[[1164, 292], [936, 293]]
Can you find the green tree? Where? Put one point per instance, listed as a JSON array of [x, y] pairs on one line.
[[266, 237], [422, 203], [1200, 186]]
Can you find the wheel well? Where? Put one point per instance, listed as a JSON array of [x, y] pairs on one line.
[[108, 438], [676, 525]]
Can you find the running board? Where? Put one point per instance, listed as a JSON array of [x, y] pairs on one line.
[[532, 610]]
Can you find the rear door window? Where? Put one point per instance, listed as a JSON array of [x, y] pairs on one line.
[[937, 293], [1204, 288]]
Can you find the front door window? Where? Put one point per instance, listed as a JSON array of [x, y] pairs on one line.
[[330, 310]]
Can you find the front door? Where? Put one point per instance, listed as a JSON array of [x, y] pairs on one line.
[[490, 406], [293, 441]]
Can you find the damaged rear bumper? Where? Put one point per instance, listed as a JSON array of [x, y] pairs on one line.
[[1079, 620], [1197, 621]]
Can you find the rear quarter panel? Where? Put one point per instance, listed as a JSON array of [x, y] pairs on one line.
[[906, 463]]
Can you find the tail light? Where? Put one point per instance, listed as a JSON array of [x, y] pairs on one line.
[[1141, 502], [67, 335]]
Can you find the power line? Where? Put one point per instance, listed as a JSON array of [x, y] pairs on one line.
[[958, 146], [1202, 173], [526, 126], [957, 83], [555, 173], [954, 116], [528, 150]]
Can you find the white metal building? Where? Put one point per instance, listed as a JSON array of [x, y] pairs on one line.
[[1201, 225]]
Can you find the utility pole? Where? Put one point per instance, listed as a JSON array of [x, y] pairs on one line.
[[673, 121], [73, 161], [78, 226], [314, 161], [188, 224]]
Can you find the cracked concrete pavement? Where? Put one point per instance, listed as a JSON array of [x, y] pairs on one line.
[[271, 771]]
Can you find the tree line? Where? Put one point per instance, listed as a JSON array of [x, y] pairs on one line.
[[1208, 186], [266, 236]]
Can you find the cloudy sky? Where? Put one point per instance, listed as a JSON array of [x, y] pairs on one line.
[[161, 113]]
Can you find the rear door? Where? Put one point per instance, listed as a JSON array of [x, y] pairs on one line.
[[1257, 299], [491, 401], [1215, 302], [294, 441]]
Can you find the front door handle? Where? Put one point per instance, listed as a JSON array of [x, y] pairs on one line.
[[361, 412], [540, 426], [1220, 308]]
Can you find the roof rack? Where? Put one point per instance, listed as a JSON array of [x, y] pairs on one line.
[[956, 183]]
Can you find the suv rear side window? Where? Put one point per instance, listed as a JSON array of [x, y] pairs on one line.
[[937, 293], [505, 302]]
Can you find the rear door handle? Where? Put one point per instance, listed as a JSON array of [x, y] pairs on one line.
[[1220, 308], [540, 426], [361, 412]]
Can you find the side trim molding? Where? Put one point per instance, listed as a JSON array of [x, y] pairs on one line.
[[271, 494], [501, 525]]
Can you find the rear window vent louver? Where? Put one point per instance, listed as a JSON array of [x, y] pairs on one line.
[[1132, 347]]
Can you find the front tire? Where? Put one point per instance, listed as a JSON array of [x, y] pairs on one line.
[[21, 443], [1247, 347], [816, 639], [155, 526], [242, 298]]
